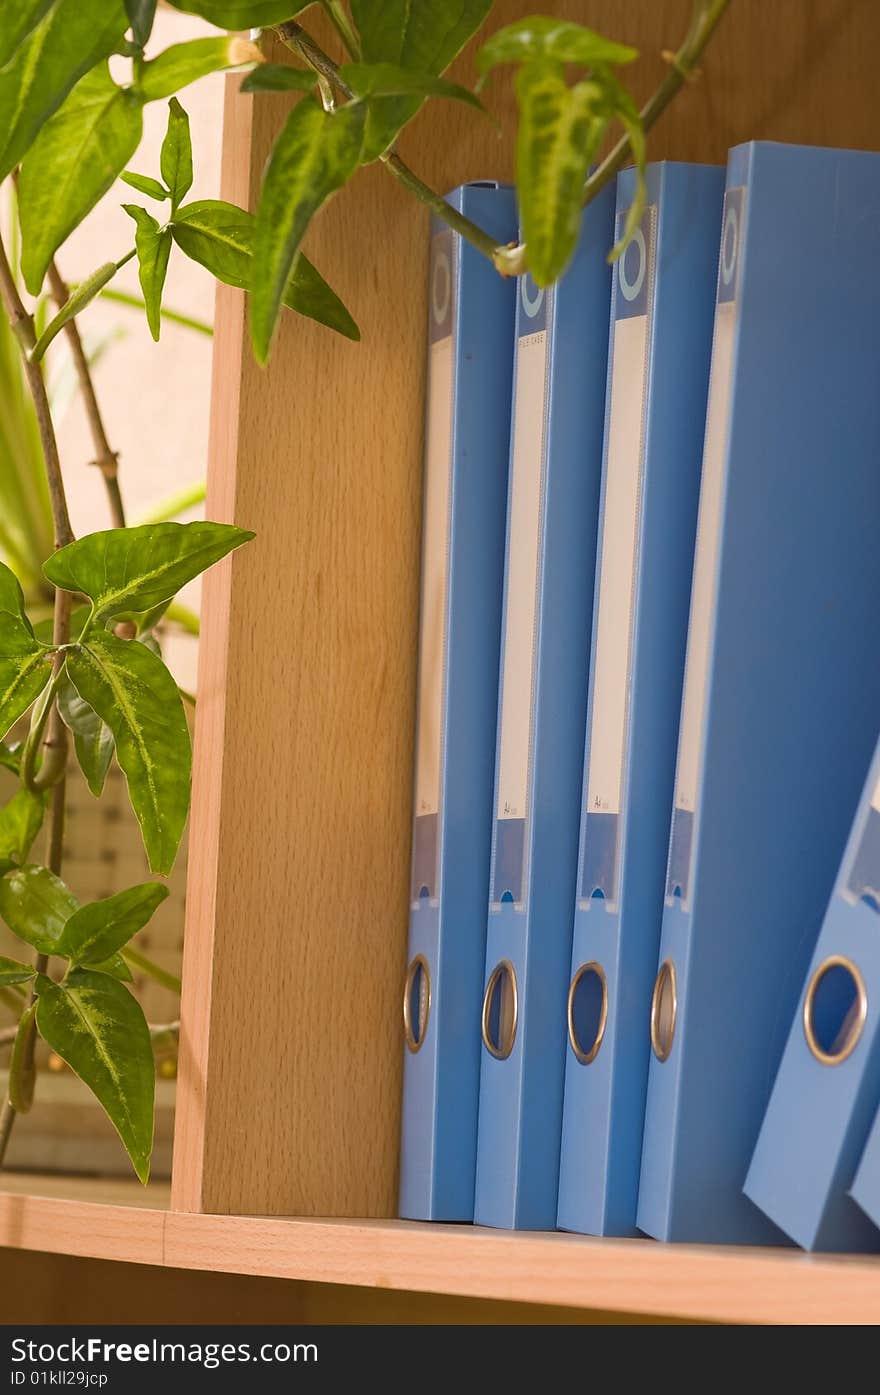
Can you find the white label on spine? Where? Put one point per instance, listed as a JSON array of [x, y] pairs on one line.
[[435, 574], [618, 565], [696, 680], [522, 575], [875, 798]]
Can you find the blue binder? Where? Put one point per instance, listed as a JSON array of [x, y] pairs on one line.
[[828, 1087], [782, 687], [470, 366], [556, 456], [866, 1186], [663, 304]]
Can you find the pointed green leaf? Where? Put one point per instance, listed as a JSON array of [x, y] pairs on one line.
[[22, 1069], [94, 1024], [175, 158], [11, 594], [25, 669], [390, 80], [541, 36], [70, 39], [11, 971], [92, 738], [133, 692], [559, 132], [423, 35], [100, 929], [279, 77], [141, 14], [220, 237], [116, 967], [20, 822], [20, 17], [182, 64], [136, 568], [145, 185], [313, 156], [72, 164], [242, 14], [76, 301], [36, 905], [153, 246]]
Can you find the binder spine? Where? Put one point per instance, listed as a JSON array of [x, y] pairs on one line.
[[668, 1005], [558, 413], [827, 1090], [658, 381], [468, 393]]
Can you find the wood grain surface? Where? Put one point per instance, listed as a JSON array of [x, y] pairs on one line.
[[296, 931]]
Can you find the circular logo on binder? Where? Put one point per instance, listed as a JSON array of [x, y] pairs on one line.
[[630, 286], [441, 287], [729, 243], [532, 296]]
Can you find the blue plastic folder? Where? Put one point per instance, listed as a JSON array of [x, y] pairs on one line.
[[828, 1087], [556, 457], [470, 365], [663, 305], [866, 1186], [782, 686]]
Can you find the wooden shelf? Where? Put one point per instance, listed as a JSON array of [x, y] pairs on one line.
[[120, 1221]]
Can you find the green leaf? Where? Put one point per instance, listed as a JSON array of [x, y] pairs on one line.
[[20, 17], [141, 14], [313, 156], [99, 930], [94, 1024], [541, 36], [175, 158], [71, 38], [182, 64], [77, 301], [11, 971], [10, 756], [145, 185], [422, 35], [24, 669], [133, 692], [242, 14], [220, 237], [388, 80], [278, 77], [560, 129], [153, 246], [11, 594], [116, 967], [20, 822], [22, 1070], [92, 738], [36, 905], [72, 164], [136, 568]]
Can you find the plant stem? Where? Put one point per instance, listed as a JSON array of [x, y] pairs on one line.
[[178, 503], [23, 328], [106, 459], [135, 960], [682, 65], [296, 38]]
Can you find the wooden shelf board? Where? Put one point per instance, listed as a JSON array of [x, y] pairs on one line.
[[120, 1221]]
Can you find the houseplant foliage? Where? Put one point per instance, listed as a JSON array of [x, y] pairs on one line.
[[70, 125]]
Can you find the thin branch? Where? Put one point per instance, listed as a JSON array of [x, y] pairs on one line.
[[296, 38], [106, 459]]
